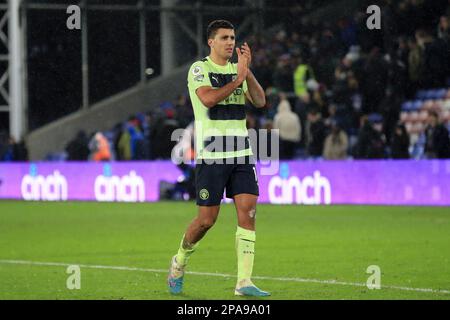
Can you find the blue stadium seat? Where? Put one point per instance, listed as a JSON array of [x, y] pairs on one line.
[[421, 94], [407, 106], [416, 105], [430, 94], [441, 93]]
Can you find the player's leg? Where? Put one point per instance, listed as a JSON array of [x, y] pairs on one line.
[[205, 219], [243, 188], [245, 244], [207, 216], [209, 188]]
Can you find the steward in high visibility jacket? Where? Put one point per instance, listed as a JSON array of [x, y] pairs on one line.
[[301, 76]]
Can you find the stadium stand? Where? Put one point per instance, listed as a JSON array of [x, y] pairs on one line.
[[365, 83]]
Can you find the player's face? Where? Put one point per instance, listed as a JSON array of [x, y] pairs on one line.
[[223, 43]]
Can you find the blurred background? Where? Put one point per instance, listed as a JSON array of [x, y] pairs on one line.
[[115, 89]]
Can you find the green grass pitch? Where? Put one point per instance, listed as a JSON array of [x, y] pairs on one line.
[[302, 252]]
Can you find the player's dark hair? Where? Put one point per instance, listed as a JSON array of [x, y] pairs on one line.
[[215, 25]]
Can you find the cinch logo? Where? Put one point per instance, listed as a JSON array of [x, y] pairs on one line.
[[129, 188], [50, 188], [288, 190]]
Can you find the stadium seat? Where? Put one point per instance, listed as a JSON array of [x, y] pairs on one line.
[[421, 94], [407, 106], [430, 94], [417, 104], [441, 93]]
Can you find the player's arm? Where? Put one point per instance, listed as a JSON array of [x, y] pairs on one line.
[[211, 97], [255, 93]]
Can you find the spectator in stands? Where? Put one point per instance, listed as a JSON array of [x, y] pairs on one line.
[[400, 143], [184, 114], [336, 143], [272, 101], [302, 74], [161, 142], [132, 144], [282, 76], [288, 124], [435, 56], [371, 140], [99, 147], [415, 66], [343, 77], [444, 29], [374, 81], [6, 148], [143, 146], [124, 144], [437, 139], [10, 150], [316, 134], [77, 149]]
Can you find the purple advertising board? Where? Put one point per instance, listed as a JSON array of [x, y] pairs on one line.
[[295, 182]]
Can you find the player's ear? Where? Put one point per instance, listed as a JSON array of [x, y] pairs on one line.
[[210, 42]]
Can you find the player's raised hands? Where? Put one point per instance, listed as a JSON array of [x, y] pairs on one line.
[[242, 65], [247, 52]]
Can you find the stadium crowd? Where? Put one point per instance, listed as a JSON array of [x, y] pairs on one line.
[[333, 91]]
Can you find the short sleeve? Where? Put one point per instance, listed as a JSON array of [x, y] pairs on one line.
[[198, 76]]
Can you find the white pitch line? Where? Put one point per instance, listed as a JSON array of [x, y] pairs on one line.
[[223, 275]]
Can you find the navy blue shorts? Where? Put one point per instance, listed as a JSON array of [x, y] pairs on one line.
[[212, 179]]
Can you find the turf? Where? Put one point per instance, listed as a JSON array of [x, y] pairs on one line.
[[409, 244]]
